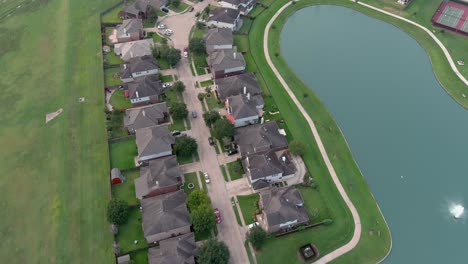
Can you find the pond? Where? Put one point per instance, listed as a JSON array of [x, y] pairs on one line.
[[409, 138]]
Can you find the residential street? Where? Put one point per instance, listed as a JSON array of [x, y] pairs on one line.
[[229, 230]]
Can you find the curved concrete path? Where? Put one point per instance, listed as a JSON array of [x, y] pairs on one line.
[[357, 221], [444, 49]]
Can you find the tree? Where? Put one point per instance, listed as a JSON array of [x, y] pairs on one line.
[[203, 219], [170, 54], [208, 90], [185, 146], [297, 148], [201, 96], [178, 110], [175, 3], [197, 198], [197, 45], [257, 236], [152, 15], [199, 25], [211, 117], [117, 211], [223, 128], [213, 252], [179, 86]]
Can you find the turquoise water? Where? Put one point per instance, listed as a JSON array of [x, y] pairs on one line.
[[408, 136]]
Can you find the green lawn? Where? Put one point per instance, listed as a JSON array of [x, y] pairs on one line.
[[119, 101], [249, 253], [241, 42], [370, 249], [180, 8], [55, 176], [115, 126], [163, 64], [161, 13], [190, 178], [206, 83], [126, 190], [166, 78], [122, 154], [111, 59], [109, 31], [177, 124], [235, 172], [184, 159], [131, 231], [198, 32], [246, 24], [113, 15], [112, 77], [139, 257], [223, 170], [200, 62], [212, 102], [236, 212], [248, 205], [202, 179]]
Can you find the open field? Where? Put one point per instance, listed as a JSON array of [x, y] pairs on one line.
[[370, 248], [55, 183]]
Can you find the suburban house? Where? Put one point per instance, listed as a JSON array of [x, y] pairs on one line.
[[145, 116], [132, 49], [140, 8], [260, 138], [244, 6], [218, 39], [226, 62], [145, 90], [159, 177], [244, 109], [165, 216], [180, 249], [223, 18], [138, 67], [270, 167], [129, 30], [154, 142], [245, 83], [282, 209]]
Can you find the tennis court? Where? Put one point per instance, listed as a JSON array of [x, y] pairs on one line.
[[452, 16]]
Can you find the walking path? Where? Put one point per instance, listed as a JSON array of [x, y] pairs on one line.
[[447, 54], [357, 222]]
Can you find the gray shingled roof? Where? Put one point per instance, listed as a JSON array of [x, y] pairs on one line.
[[221, 60], [218, 36], [235, 85], [281, 206], [129, 26], [148, 85], [240, 106], [260, 184], [225, 15], [153, 140], [158, 174], [180, 249], [138, 64], [145, 116], [260, 138], [274, 162], [132, 49], [164, 213]]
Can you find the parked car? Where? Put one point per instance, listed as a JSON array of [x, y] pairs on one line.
[[165, 10], [191, 9], [176, 133], [162, 26], [218, 216], [185, 52], [211, 141], [194, 114], [207, 178], [168, 32], [166, 85], [232, 152], [253, 225], [197, 14]]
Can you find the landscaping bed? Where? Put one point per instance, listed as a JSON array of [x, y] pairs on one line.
[[122, 153]]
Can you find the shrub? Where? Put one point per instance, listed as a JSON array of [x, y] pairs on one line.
[[185, 146], [117, 211], [257, 236], [178, 110], [213, 251], [179, 87]]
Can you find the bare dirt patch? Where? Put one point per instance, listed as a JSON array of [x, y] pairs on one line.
[[53, 115]]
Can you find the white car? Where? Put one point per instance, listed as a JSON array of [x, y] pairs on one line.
[[169, 32], [166, 85], [162, 26], [253, 225], [207, 178], [185, 54]]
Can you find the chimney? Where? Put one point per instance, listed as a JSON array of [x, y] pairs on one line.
[[136, 93], [284, 159], [144, 114], [131, 54], [245, 89], [248, 96], [234, 55]]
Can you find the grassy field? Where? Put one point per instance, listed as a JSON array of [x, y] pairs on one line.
[[126, 190], [55, 183], [248, 207], [122, 154], [371, 248]]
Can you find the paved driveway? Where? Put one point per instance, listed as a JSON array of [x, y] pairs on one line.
[[229, 230]]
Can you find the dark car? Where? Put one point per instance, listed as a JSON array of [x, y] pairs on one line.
[[191, 9], [165, 10], [176, 133], [197, 14], [211, 141], [232, 152]]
